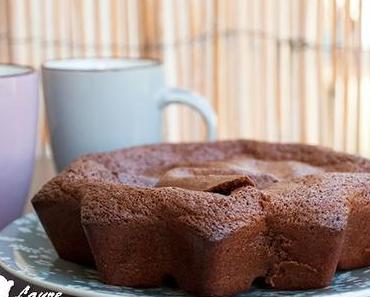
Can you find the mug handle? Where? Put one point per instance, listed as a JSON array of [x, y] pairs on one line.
[[197, 102]]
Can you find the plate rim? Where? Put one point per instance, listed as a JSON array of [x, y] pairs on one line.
[[82, 293], [42, 283], [52, 286]]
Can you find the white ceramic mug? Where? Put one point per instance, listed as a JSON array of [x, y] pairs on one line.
[[102, 104]]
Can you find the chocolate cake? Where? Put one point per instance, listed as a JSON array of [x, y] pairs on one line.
[[212, 217]]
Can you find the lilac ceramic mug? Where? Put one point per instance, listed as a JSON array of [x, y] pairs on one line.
[[18, 128]]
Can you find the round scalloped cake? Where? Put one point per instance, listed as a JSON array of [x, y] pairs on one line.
[[212, 217]]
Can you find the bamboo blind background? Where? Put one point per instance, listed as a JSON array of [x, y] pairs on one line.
[[280, 70]]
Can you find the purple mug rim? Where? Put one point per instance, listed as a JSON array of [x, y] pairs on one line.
[[156, 62], [29, 70]]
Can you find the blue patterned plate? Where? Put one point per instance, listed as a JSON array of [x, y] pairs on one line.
[[26, 252]]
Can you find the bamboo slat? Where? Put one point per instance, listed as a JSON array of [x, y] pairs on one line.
[[277, 76], [115, 28], [319, 73], [346, 69], [359, 75], [334, 56], [4, 32], [301, 70]]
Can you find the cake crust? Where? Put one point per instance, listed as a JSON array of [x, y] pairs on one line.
[[212, 216]]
